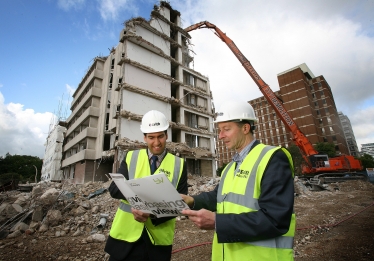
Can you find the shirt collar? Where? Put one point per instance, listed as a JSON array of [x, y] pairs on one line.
[[239, 157], [160, 157]]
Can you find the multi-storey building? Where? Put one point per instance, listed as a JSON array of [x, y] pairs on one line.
[[367, 148], [309, 101], [51, 169], [349, 135], [149, 69]]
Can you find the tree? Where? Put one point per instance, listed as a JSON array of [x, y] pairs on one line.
[[367, 161], [326, 148], [297, 158], [22, 165]]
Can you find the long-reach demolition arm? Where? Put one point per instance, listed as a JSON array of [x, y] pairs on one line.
[[299, 138]]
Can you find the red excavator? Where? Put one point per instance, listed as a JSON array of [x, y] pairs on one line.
[[319, 167]]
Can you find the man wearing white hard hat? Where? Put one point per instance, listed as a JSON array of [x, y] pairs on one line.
[[134, 235], [251, 209]]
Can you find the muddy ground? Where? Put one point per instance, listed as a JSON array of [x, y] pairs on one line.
[[334, 224]]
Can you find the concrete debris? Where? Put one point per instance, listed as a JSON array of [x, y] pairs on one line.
[[54, 209], [79, 213]]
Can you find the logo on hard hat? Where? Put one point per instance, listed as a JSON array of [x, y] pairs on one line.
[[154, 124], [219, 113]]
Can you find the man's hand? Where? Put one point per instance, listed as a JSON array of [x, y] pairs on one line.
[[189, 200], [139, 216], [203, 218]]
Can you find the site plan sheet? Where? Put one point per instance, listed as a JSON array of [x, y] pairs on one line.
[[153, 194]]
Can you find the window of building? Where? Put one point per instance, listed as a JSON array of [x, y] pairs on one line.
[[191, 99], [334, 138], [311, 87], [327, 110], [328, 119], [322, 94]]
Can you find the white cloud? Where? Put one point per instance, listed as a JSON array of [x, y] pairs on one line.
[[67, 5], [363, 125], [70, 90], [22, 131], [332, 37], [110, 9]]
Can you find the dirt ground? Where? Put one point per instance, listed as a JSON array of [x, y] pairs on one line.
[[331, 225]]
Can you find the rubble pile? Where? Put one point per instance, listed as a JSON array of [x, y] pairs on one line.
[[57, 221], [56, 210], [197, 184]]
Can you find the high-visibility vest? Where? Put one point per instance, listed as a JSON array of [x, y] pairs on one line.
[[124, 226], [239, 192]]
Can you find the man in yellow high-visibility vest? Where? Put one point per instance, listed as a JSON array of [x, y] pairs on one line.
[[251, 209], [134, 235]]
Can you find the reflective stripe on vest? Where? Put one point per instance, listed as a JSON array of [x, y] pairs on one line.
[[245, 199], [138, 166]]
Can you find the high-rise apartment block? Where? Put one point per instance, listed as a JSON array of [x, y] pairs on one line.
[[349, 135], [310, 103], [367, 148], [149, 69]]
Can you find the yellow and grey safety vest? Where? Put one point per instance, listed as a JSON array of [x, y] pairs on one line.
[[124, 226], [239, 193]]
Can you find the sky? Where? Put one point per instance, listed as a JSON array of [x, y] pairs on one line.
[[47, 46]]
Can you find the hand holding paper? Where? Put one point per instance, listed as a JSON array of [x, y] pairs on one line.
[[153, 194]]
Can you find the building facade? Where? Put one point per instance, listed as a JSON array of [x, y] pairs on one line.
[[310, 103], [349, 135], [149, 69], [51, 169], [367, 148]]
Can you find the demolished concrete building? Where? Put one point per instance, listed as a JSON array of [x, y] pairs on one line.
[[51, 169], [149, 69]]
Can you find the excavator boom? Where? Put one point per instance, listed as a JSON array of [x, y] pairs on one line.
[[316, 163], [301, 141]]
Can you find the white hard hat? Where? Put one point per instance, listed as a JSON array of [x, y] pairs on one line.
[[154, 121], [235, 110]]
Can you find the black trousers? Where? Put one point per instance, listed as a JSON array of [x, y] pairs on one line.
[[141, 250]]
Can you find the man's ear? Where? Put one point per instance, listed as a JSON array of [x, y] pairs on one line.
[[247, 128]]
